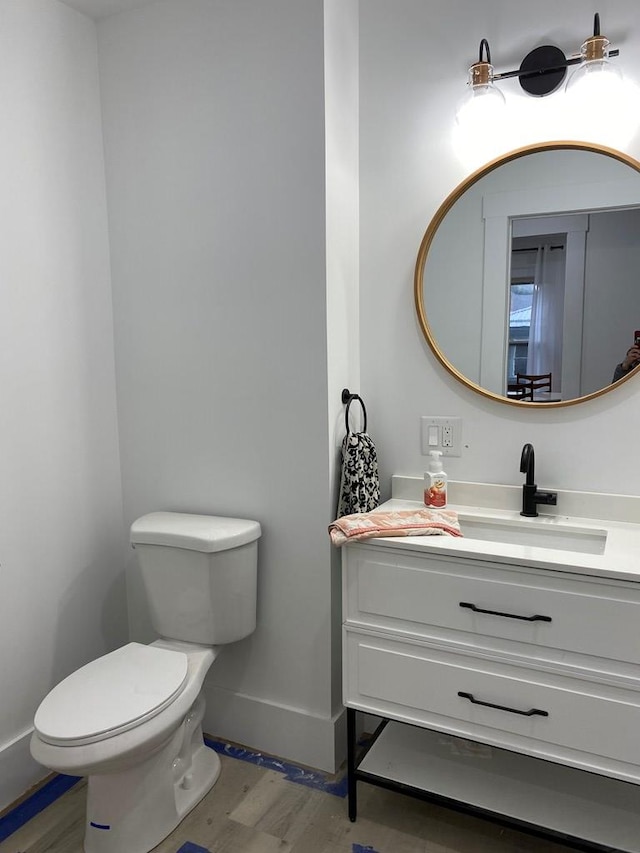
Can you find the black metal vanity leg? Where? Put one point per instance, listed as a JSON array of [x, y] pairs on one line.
[[351, 764]]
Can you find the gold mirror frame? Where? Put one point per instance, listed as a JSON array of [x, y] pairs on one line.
[[430, 234]]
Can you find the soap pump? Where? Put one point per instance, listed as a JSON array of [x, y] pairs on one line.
[[435, 482]]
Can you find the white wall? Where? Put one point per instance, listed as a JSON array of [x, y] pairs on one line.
[[61, 536], [215, 153], [413, 61]]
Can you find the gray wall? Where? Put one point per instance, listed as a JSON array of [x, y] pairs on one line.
[[215, 162], [612, 293]]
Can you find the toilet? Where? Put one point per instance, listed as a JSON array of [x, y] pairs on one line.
[[131, 721]]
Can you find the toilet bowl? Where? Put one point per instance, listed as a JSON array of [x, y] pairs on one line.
[[131, 721]]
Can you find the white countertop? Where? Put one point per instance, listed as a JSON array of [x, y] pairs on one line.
[[619, 560]]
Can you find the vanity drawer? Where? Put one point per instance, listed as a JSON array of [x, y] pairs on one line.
[[444, 690], [395, 591]]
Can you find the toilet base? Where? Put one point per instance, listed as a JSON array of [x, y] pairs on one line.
[[134, 810]]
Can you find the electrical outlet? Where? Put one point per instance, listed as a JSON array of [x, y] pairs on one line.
[[444, 434]]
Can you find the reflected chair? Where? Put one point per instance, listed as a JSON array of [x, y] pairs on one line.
[[532, 382], [515, 391]]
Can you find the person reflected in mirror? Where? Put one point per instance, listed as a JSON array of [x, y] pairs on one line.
[[631, 361]]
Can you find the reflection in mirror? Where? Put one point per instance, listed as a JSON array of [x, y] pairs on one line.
[[530, 269]]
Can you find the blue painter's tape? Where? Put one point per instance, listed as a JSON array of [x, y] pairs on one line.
[[310, 778], [60, 784], [99, 825], [38, 801]]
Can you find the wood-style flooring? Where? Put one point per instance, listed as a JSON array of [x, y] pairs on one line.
[[255, 809]]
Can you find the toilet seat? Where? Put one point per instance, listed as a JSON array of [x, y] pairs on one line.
[[112, 694]]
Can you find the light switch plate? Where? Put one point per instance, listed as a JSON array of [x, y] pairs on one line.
[[447, 431]]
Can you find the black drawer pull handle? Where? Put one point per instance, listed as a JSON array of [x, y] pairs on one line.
[[475, 609], [532, 712]]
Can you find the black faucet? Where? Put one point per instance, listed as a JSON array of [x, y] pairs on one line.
[[531, 497]]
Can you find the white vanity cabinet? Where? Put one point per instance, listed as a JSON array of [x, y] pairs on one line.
[[506, 690]]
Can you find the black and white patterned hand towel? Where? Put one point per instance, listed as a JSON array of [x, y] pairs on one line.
[[359, 482]]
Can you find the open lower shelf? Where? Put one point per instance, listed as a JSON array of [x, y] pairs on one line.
[[573, 803]]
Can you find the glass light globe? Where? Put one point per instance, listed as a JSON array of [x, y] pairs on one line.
[[598, 98], [483, 102], [478, 133], [596, 77]]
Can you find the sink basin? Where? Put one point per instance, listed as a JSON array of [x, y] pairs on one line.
[[579, 539]]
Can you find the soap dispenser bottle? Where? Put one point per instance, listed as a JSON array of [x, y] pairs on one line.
[[435, 482]]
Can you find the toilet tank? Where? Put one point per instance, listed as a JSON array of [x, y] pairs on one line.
[[199, 573]]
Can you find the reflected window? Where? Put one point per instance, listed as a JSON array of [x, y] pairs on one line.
[[537, 299], [520, 303]]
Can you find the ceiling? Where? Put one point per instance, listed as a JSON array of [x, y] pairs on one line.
[[102, 8]]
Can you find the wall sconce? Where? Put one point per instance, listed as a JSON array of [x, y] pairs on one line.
[[543, 70], [600, 105]]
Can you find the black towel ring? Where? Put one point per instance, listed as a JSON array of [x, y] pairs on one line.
[[347, 399]]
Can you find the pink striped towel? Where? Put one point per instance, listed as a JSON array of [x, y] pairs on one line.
[[415, 522]]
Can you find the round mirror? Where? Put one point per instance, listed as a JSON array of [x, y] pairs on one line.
[[527, 282]]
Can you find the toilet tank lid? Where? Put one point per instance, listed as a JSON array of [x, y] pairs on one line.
[[207, 533]]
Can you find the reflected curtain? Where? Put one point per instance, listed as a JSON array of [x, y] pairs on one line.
[[547, 314]]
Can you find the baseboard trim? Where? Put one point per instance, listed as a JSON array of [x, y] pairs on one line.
[[18, 770], [55, 785], [291, 733], [26, 787]]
